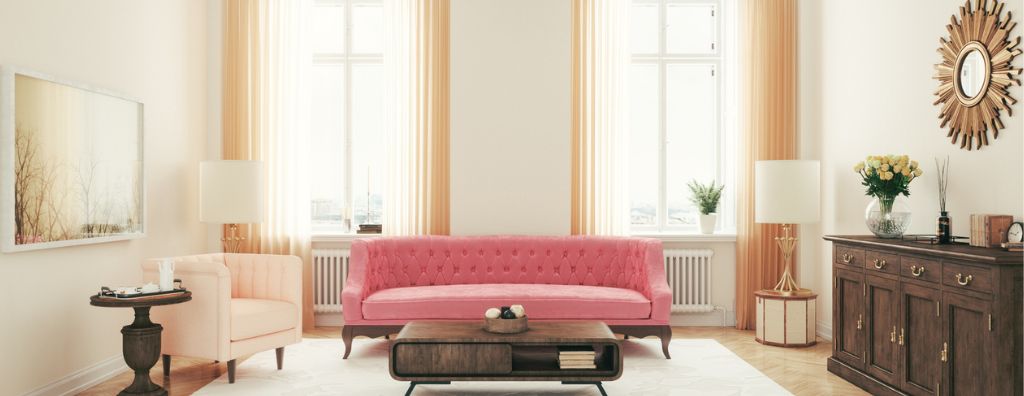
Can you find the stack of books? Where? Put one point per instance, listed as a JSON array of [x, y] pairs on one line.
[[576, 358], [989, 230]]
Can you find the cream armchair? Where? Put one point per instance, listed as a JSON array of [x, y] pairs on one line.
[[241, 304]]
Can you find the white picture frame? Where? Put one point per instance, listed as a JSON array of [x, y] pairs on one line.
[[68, 123]]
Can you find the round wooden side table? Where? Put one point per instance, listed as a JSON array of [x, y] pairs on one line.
[[786, 320], [141, 339]]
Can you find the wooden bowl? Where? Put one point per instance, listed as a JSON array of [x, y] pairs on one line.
[[506, 326]]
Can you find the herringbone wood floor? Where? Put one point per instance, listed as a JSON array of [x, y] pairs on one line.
[[800, 370]]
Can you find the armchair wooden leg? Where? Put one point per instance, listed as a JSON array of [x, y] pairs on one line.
[[167, 365], [280, 357], [231, 371]]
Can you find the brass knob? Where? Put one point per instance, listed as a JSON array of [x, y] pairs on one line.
[[963, 281], [847, 258], [901, 337], [942, 354], [879, 264], [860, 322], [916, 271], [892, 336]]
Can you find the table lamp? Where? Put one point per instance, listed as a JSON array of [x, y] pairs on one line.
[[787, 192], [231, 192]]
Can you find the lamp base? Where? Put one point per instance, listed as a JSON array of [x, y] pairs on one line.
[[232, 242]]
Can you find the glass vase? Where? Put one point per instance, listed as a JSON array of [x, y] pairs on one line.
[[887, 216]]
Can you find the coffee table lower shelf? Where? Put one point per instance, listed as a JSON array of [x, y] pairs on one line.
[[443, 352]]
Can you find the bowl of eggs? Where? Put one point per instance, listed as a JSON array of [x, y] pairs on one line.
[[506, 320]]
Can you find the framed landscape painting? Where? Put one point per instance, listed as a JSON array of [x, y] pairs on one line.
[[71, 164]]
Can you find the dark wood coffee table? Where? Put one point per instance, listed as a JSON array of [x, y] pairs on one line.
[[433, 352], [141, 340]]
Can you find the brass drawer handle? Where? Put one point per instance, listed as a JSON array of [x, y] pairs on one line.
[[901, 336], [916, 271], [892, 336], [962, 281], [879, 264], [847, 258], [860, 322], [945, 349]]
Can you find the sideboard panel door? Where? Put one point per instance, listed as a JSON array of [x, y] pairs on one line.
[[849, 306], [922, 339], [882, 305], [968, 360]]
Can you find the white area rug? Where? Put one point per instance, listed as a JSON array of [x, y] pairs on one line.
[[315, 367]]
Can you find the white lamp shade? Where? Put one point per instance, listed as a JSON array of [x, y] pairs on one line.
[[787, 192], [231, 192]]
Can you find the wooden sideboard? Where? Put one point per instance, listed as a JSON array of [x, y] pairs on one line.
[[909, 318]]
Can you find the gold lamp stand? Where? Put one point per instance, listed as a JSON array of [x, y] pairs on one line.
[[232, 241], [787, 285]]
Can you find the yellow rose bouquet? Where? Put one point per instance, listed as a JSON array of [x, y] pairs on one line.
[[886, 177]]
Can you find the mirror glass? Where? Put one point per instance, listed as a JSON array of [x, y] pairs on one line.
[[972, 74]]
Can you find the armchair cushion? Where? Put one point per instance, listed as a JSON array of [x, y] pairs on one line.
[[252, 317]]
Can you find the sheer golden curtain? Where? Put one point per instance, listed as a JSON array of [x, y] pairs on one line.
[[265, 117], [416, 62], [767, 133], [600, 109]]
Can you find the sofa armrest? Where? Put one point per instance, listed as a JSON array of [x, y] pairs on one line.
[[267, 277], [355, 286], [660, 293], [202, 327]]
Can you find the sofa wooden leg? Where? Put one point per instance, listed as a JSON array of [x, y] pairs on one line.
[[346, 336], [231, 371], [666, 338], [280, 357], [167, 365]]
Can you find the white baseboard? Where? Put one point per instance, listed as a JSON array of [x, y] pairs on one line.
[[717, 318], [83, 379], [329, 319], [825, 330]]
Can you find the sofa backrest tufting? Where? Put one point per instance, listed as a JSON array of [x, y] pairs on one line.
[[391, 262]]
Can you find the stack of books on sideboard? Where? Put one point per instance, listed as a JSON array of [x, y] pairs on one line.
[[579, 358], [989, 230]]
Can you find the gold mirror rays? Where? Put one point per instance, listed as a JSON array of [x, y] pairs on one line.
[[975, 73]]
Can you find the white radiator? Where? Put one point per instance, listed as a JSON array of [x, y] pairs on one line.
[[330, 270], [689, 276]]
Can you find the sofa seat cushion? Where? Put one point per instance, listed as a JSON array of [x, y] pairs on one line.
[[540, 301], [252, 317]]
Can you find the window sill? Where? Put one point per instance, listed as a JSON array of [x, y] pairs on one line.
[[340, 237], [667, 237], [724, 237]]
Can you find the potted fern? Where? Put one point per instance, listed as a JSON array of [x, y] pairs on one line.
[[705, 198]]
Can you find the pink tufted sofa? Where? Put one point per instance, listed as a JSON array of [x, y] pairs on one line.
[[393, 280]]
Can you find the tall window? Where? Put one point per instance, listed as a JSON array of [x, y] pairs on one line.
[[679, 113], [347, 113]]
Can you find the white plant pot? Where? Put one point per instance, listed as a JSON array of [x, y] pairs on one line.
[[707, 223]]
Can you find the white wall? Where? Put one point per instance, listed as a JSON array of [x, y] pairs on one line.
[[152, 50], [510, 115], [866, 88]]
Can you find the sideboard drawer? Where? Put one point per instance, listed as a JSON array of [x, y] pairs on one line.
[[921, 269], [966, 277], [462, 359], [845, 255], [881, 262]]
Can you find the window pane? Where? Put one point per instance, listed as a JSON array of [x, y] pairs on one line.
[[327, 122], [690, 28], [367, 142], [328, 30], [691, 130], [643, 145], [643, 26], [367, 28]]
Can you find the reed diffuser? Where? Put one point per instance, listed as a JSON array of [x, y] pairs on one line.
[[944, 232]]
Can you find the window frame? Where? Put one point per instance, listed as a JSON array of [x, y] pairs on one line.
[[717, 59], [345, 59]]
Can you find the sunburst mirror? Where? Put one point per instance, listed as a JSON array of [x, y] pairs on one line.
[[975, 73]]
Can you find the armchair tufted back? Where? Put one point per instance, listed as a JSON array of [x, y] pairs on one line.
[[393, 262]]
